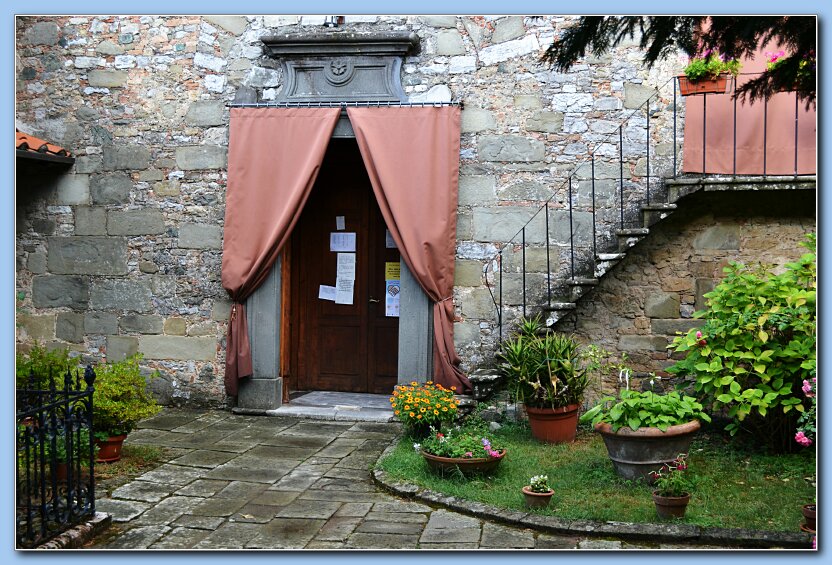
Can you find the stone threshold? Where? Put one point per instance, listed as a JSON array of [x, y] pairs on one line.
[[729, 538], [331, 413], [80, 534]]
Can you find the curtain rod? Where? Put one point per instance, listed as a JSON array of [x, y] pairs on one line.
[[322, 104]]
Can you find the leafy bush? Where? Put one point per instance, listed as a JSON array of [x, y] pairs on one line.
[[645, 409], [548, 370], [710, 65], [757, 345], [42, 363], [121, 399]]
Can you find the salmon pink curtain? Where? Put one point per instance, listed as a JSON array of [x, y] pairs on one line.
[[778, 134], [412, 158], [274, 156]]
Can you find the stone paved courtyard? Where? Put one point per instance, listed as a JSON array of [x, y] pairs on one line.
[[249, 482]]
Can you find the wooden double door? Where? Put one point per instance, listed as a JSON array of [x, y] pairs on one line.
[[336, 346]]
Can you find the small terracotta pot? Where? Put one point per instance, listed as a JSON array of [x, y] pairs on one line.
[[669, 507], [109, 449], [809, 512], [465, 465], [554, 425], [537, 499]]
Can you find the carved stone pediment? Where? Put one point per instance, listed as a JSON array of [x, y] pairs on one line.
[[341, 66]]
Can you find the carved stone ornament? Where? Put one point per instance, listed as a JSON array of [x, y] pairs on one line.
[[341, 66]]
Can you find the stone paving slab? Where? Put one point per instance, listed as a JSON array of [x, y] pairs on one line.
[[308, 509], [138, 538], [242, 490], [338, 528], [168, 510], [178, 475], [204, 458], [199, 522], [496, 536], [121, 510], [360, 540], [180, 538], [144, 491], [287, 533], [203, 488], [230, 535]]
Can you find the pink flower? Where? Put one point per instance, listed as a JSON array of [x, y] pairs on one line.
[[801, 438], [807, 389], [698, 335], [468, 454]]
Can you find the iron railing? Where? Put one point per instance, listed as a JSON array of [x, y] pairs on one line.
[[55, 487], [580, 262]]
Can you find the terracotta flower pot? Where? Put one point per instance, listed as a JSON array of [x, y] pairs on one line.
[[465, 465], [668, 507], [634, 454], [716, 85], [109, 449], [537, 499], [809, 511], [61, 471], [554, 425]]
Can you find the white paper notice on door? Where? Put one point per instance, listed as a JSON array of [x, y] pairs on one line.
[[342, 241], [326, 292], [340, 223], [346, 266], [392, 296], [343, 291]]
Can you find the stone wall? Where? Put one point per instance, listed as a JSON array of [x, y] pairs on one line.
[[651, 294], [123, 253]]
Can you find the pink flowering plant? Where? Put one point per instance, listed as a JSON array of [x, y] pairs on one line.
[[459, 444], [807, 423], [672, 479]]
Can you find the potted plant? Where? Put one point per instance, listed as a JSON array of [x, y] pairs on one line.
[[121, 400], [673, 488], [707, 73], [644, 430], [460, 451], [80, 448], [538, 493], [422, 406], [549, 374]]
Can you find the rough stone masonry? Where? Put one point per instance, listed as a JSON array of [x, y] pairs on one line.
[[122, 254]]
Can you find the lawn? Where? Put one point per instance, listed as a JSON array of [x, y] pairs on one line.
[[735, 487]]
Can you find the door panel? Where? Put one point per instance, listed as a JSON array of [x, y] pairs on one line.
[[343, 347]]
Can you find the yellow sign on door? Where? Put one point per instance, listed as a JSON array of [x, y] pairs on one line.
[[392, 270]]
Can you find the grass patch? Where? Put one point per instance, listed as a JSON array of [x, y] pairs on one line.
[[135, 460], [734, 488]]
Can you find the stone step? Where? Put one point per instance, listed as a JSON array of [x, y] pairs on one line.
[[654, 213], [578, 281], [559, 307], [629, 237]]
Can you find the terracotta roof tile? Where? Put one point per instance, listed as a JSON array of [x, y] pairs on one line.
[[26, 142]]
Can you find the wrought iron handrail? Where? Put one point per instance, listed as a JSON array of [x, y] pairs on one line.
[[496, 260]]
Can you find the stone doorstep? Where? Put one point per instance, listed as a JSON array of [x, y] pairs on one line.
[[80, 534], [739, 538], [341, 413]]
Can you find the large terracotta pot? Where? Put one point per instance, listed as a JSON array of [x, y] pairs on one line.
[[717, 85], [671, 506], [554, 425], [465, 465], [109, 449], [635, 454]]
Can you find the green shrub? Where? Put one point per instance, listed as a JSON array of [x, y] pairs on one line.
[[645, 409], [43, 362], [710, 66], [757, 344], [121, 399]]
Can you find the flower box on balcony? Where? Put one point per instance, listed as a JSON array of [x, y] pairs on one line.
[[716, 85]]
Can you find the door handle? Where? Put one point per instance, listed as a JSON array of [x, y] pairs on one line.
[[374, 301]]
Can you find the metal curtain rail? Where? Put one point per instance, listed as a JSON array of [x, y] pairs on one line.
[[326, 104]]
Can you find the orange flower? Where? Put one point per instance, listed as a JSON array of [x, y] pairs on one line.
[[453, 388], [396, 412], [418, 416], [412, 414], [444, 409], [436, 412]]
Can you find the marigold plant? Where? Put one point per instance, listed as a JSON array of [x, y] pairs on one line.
[[424, 404]]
